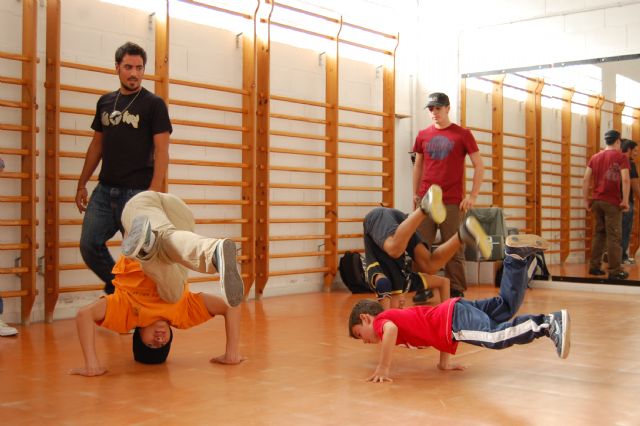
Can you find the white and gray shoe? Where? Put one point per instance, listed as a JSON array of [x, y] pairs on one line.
[[138, 238], [560, 332], [230, 279]]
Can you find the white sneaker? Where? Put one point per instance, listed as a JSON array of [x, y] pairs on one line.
[[230, 278], [432, 205], [138, 237], [7, 330]]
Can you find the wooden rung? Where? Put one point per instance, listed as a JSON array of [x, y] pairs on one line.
[[71, 154], [205, 163], [208, 86], [299, 220], [15, 151], [21, 222], [298, 118], [221, 221], [13, 104], [517, 194], [551, 141], [298, 254], [16, 57], [298, 135], [299, 271], [16, 246], [73, 132], [15, 127], [298, 237], [363, 157], [207, 182], [15, 175], [18, 270], [363, 111], [68, 267], [15, 199], [207, 106], [361, 173], [80, 89], [72, 110], [75, 177], [480, 129], [299, 169], [203, 279], [294, 186], [15, 293], [11, 80], [363, 142], [299, 101], [300, 203], [516, 135], [299, 152], [192, 123], [93, 68], [519, 206], [364, 204], [362, 127], [208, 144], [362, 188], [350, 219], [66, 222], [199, 201], [74, 288], [350, 235]]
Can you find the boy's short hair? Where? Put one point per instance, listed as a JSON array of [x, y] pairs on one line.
[[364, 306], [628, 145], [146, 355], [131, 49]]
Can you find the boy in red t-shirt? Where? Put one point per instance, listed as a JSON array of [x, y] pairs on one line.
[[159, 244], [486, 322]]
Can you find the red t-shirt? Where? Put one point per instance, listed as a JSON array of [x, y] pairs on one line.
[[605, 167], [444, 151], [421, 326]]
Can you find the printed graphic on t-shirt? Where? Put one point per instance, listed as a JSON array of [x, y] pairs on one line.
[[613, 173], [116, 117], [439, 147]]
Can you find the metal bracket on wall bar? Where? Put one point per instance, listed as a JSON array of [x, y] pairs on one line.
[[16, 263], [238, 40], [378, 68], [320, 56], [151, 15], [41, 265]]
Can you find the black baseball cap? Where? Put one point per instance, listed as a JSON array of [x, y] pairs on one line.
[[437, 99], [611, 136], [146, 355]]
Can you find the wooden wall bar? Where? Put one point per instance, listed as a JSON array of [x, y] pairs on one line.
[[20, 166]]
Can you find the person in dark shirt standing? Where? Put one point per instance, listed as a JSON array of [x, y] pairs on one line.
[[131, 139], [630, 149]]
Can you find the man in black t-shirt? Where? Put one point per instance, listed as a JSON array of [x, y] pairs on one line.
[[131, 139], [630, 149]]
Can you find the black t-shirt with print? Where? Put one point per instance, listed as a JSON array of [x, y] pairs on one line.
[[127, 140]]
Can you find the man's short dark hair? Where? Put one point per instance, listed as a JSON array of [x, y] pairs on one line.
[[130, 49], [364, 306], [146, 355], [611, 137], [628, 145]]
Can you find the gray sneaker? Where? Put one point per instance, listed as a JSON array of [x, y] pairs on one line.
[[525, 245], [431, 204], [471, 233], [560, 332], [230, 279], [138, 236]]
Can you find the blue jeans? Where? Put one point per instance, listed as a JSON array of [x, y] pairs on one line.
[[489, 322], [627, 224], [101, 222]]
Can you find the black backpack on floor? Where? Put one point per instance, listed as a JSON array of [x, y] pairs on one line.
[[352, 273]]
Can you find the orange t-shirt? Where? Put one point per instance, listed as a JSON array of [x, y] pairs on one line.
[[136, 302]]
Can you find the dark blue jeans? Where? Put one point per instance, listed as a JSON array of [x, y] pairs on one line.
[[101, 222], [489, 322], [627, 224]]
